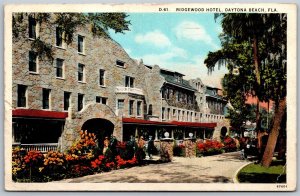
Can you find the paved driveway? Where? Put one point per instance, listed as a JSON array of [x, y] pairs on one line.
[[218, 168]]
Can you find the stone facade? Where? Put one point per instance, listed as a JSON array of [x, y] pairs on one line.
[[130, 88]]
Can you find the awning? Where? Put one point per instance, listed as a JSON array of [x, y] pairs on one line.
[[144, 122], [39, 113], [172, 123], [194, 124]]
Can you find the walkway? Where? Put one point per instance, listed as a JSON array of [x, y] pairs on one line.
[[219, 168]]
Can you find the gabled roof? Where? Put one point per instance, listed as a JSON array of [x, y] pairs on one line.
[[170, 78]]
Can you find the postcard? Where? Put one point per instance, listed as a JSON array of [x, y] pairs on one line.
[[150, 97]]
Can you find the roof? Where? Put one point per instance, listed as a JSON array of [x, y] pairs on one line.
[[213, 92], [171, 79], [172, 123]]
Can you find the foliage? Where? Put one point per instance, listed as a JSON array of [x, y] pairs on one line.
[[54, 165], [237, 52], [229, 144], [80, 160], [209, 147], [265, 58], [42, 49], [125, 150], [179, 150]]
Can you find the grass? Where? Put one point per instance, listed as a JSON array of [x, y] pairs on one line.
[[255, 173]]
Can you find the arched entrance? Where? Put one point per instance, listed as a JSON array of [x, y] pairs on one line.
[[97, 118], [100, 127], [223, 132]]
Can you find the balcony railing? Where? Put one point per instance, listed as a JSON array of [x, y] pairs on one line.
[[123, 89], [44, 147]]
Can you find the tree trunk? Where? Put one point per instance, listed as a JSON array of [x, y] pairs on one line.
[[256, 60], [268, 154]]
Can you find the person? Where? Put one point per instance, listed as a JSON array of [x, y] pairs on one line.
[[140, 153], [150, 147], [113, 145], [105, 145]]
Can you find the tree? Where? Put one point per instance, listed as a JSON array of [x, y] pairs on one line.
[[265, 34]]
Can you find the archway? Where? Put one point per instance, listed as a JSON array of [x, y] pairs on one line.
[[223, 132], [100, 127]]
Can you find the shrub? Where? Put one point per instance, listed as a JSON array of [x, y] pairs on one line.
[[209, 147], [179, 150], [229, 144], [54, 165], [18, 163], [33, 164]]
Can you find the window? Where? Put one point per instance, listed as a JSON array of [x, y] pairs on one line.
[[179, 113], [163, 113], [22, 96], [169, 113], [182, 116], [32, 27], [120, 63], [131, 102], [59, 39], [187, 116], [129, 81], [80, 44], [46, 98], [120, 104], [101, 77], [150, 109], [80, 101], [174, 112], [80, 72], [67, 96], [59, 68], [32, 61], [138, 108], [102, 100]]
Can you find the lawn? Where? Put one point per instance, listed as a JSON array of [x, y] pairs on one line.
[[255, 173]]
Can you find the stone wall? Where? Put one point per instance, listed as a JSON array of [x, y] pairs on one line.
[[217, 130], [190, 147], [166, 150]]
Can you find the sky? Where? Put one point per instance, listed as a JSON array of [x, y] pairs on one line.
[[179, 42]]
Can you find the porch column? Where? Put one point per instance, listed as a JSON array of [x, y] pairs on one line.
[[172, 134], [136, 132], [156, 135], [204, 134], [195, 135]]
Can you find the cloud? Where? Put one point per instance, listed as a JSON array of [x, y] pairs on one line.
[[195, 32], [155, 37]]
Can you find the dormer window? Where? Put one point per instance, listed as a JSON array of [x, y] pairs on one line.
[[179, 79], [120, 63]]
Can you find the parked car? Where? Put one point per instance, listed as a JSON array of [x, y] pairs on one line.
[[250, 149]]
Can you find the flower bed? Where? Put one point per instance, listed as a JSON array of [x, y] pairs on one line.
[[209, 147], [229, 144], [83, 158]]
